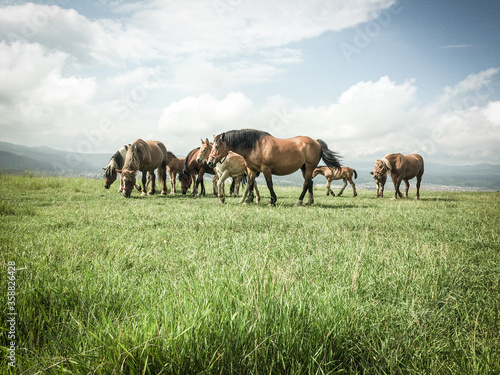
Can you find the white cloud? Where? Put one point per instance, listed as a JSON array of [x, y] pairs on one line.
[[368, 118]]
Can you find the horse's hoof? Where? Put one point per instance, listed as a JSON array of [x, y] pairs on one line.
[[298, 204]]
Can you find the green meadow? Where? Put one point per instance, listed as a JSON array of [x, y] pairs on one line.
[[182, 285]]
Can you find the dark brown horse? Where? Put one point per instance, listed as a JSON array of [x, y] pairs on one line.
[[401, 168], [195, 171], [264, 153], [175, 166], [331, 174], [145, 156]]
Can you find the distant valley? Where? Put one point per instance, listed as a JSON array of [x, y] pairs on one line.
[[45, 161]]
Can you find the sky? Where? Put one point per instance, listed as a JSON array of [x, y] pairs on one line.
[[369, 77]]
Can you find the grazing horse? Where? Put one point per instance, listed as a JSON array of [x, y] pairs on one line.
[[402, 168], [115, 163], [331, 174], [233, 165], [264, 153], [145, 156], [175, 166], [192, 168], [380, 180]]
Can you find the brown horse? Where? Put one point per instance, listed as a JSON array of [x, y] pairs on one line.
[[195, 171], [331, 174], [145, 156], [233, 165], [116, 163], [175, 166], [380, 180], [264, 153], [402, 168]]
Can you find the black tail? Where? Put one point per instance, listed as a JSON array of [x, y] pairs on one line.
[[329, 157], [355, 174]]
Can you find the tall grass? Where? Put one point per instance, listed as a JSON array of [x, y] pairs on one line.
[[161, 285]]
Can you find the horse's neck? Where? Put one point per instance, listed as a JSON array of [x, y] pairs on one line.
[[132, 161]]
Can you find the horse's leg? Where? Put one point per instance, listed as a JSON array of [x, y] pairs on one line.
[[214, 183], [328, 190], [343, 187], [202, 183], [251, 183], [419, 179], [195, 184], [152, 188], [162, 176], [396, 181], [172, 176], [407, 183], [269, 182], [257, 192], [382, 185], [353, 186], [308, 185], [144, 182], [120, 189], [221, 187]]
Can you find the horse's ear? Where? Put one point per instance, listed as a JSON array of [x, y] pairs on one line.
[[206, 140], [371, 173], [104, 169], [222, 136], [202, 141]]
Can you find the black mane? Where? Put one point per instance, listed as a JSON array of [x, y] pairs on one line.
[[244, 139], [118, 159]]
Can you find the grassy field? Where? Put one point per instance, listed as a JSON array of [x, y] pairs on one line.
[[181, 285]]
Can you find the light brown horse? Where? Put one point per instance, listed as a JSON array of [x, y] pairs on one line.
[[332, 174], [401, 168], [144, 156], [175, 166], [233, 165], [264, 153]]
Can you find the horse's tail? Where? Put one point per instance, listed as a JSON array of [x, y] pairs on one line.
[[244, 179], [329, 157], [355, 174]]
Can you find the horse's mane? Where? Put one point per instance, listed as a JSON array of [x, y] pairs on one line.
[[116, 161], [244, 139], [171, 154], [386, 162], [133, 159]]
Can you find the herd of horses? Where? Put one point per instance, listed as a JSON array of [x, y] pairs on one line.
[[243, 155]]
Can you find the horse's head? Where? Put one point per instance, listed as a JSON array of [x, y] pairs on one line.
[[128, 177], [109, 176], [219, 151], [380, 169], [204, 152], [316, 172], [185, 180]]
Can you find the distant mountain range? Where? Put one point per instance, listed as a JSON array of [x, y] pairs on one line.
[[15, 159]]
